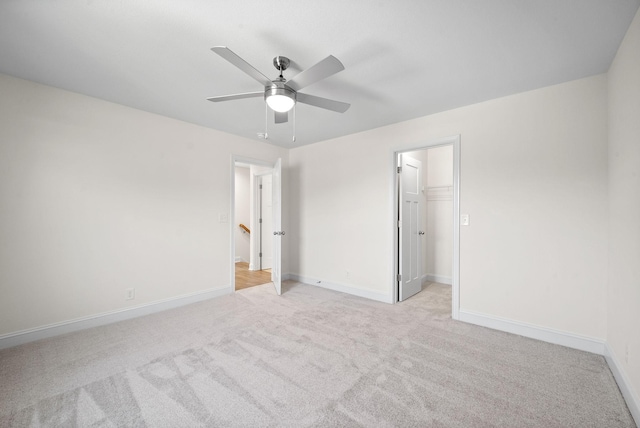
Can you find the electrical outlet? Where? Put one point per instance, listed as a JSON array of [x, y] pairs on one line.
[[464, 220], [130, 294]]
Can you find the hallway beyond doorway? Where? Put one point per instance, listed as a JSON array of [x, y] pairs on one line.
[[246, 278]]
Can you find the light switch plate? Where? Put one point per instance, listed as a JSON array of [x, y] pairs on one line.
[[223, 218], [464, 219]]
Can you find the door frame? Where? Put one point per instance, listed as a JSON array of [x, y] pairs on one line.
[[232, 252], [453, 141]]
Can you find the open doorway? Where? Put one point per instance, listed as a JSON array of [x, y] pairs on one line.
[[256, 214], [426, 218], [252, 220]]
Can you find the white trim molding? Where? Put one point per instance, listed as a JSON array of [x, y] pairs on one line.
[[56, 329], [347, 289], [625, 385], [558, 337], [431, 277]]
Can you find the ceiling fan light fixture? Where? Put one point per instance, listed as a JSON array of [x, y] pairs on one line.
[[280, 103], [280, 99]]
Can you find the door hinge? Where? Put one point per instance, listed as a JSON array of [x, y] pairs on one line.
[[399, 169], [261, 187], [259, 254], [399, 224], [260, 220], [398, 277]]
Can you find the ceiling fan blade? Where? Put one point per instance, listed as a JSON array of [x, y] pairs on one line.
[[337, 106], [243, 65], [323, 69], [236, 96], [282, 117]]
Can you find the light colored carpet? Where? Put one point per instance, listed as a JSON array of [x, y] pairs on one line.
[[309, 358]]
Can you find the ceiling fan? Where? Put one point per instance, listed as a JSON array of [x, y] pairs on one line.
[[281, 94]]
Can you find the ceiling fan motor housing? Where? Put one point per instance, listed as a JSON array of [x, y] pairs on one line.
[[279, 88]]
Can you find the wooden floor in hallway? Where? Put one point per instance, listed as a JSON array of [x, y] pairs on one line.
[[246, 278]]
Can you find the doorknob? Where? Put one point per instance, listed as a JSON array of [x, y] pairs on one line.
[[421, 233]]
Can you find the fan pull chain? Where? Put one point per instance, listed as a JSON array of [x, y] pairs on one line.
[[294, 123], [266, 122]]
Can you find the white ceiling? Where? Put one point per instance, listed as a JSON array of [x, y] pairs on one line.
[[404, 58]]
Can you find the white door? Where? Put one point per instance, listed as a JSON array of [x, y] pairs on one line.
[[410, 235], [266, 225], [278, 233]]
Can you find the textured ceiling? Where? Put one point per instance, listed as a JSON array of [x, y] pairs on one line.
[[404, 58]]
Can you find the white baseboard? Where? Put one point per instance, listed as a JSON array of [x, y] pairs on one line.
[[436, 278], [630, 396], [239, 259], [355, 291], [570, 340], [51, 330]]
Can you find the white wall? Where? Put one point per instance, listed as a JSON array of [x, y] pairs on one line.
[[533, 179], [96, 198], [624, 208], [242, 213], [440, 166]]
